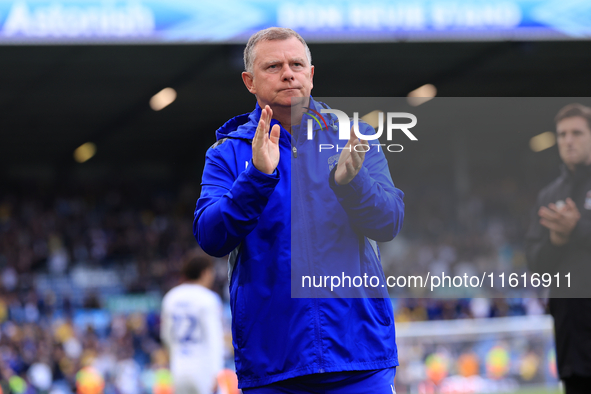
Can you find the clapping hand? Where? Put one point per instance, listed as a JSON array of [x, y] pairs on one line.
[[559, 220], [265, 146], [350, 160]]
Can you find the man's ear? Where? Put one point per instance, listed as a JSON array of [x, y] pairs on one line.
[[248, 82], [311, 77]]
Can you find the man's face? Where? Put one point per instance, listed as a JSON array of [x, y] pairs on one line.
[[280, 72], [574, 141]]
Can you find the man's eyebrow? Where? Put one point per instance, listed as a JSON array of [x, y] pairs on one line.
[[298, 60], [271, 62], [292, 60]]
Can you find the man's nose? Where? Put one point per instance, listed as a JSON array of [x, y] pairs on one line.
[[287, 73]]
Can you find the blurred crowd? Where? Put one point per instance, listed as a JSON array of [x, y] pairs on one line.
[[53, 321], [48, 236], [46, 355], [53, 230]]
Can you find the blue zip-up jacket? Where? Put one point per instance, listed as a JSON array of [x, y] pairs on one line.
[[248, 214]]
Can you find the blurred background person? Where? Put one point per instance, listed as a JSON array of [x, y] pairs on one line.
[[559, 241], [191, 328]]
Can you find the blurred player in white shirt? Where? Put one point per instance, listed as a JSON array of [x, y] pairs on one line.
[[192, 330]]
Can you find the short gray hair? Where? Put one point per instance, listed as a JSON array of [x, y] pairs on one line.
[[270, 34]]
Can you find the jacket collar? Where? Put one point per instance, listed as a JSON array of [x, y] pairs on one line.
[[581, 171], [244, 126]]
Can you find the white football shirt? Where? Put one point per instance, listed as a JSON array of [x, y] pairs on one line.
[[191, 328]]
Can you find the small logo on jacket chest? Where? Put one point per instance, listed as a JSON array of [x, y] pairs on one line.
[[588, 200], [333, 161]]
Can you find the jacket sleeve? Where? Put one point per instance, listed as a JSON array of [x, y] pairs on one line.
[[374, 206], [542, 255], [229, 207]]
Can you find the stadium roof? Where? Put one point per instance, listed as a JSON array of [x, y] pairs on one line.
[[55, 98]]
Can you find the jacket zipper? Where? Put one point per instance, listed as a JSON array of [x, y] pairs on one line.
[[315, 301]]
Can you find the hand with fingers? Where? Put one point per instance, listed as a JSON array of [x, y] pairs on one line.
[[265, 146], [559, 220], [350, 160]]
